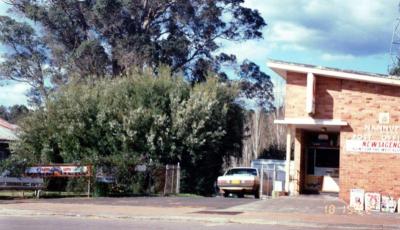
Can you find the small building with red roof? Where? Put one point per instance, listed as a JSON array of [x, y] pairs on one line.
[[8, 133]]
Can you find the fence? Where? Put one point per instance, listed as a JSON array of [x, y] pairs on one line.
[[272, 175], [154, 179], [172, 179], [23, 183], [162, 180]]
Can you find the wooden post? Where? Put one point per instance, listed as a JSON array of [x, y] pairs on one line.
[[88, 191], [90, 175], [172, 179], [261, 181], [165, 179], [273, 179], [178, 179]]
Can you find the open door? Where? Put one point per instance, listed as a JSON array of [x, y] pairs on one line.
[[322, 157]]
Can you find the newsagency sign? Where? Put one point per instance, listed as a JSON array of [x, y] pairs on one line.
[[370, 146], [376, 139]]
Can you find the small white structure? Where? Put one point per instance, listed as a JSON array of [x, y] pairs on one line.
[[274, 174]]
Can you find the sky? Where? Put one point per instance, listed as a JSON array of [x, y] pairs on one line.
[[352, 34]]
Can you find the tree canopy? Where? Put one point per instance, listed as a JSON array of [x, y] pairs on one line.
[[105, 38], [14, 113]]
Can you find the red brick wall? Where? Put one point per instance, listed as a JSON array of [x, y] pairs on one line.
[[361, 104], [295, 103], [358, 103], [327, 93]]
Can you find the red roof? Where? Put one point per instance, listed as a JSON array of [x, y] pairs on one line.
[[7, 125]]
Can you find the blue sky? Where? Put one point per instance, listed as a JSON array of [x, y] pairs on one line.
[[352, 34]]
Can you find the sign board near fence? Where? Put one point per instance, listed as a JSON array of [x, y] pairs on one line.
[[140, 168], [59, 171]]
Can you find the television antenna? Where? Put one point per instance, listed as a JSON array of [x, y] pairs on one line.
[[395, 45]]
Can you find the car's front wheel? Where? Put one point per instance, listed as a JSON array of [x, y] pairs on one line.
[[225, 194]]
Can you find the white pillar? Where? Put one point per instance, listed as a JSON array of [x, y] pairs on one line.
[[288, 150], [310, 99]]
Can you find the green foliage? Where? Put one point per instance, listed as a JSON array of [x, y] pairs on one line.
[[128, 121], [14, 165], [13, 113], [26, 58], [107, 37]]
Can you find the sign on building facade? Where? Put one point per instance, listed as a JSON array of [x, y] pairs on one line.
[[380, 138]]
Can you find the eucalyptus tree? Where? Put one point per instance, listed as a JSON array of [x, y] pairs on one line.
[[108, 37], [25, 59]]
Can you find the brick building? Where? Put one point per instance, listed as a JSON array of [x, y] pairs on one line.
[[345, 126]]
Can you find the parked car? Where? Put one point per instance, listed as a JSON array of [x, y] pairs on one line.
[[240, 181]]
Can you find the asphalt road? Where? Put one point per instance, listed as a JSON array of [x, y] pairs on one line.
[[62, 223], [195, 202], [184, 213]]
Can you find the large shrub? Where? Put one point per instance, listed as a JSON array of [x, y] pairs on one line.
[[136, 119]]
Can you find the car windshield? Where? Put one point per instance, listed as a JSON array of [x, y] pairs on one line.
[[252, 172]]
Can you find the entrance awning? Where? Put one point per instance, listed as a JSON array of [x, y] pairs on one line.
[[313, 124]]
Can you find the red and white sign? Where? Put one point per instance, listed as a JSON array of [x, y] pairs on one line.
[[58, 171], [371, 146]]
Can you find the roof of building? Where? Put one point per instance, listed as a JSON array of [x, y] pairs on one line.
[[7, 125], [7, 131], [282, 67]]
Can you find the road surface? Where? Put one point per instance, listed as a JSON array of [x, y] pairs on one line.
[[74, 223], [304, 212]]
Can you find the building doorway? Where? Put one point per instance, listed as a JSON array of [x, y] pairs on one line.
[[4, 151], [321, 161]]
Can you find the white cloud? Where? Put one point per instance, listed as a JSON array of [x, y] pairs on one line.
[[12, 94], [289, 32], [357, 27], [246, 50], [290, 47], [333, 57]]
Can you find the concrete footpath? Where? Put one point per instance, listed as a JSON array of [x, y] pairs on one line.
[[327, 213]]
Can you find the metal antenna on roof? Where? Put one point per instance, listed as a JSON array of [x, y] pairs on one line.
[[394, 67]]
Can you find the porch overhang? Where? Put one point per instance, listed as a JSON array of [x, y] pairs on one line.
[[308, 124], [313, 124]]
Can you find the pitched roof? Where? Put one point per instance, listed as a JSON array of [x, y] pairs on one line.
[[7, 131], [7, 125], [282, 67]]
